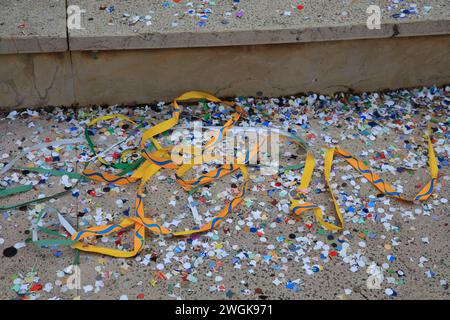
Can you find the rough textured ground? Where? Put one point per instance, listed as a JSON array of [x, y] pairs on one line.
[[128, 17], [177, 24], [47, 18], [28, 18], [261, 251]]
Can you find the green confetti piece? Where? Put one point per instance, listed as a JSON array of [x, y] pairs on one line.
[[191, 192], [16, 287]]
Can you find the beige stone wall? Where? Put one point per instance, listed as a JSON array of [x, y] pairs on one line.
[[35, 80], [144, 76]]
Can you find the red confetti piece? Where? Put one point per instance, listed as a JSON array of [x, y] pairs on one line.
[[163, 276], [36, 287]]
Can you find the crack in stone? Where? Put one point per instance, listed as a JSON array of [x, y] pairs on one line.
[[43, 98]]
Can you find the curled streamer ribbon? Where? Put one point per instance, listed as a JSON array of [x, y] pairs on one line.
[[300, 205], [154, 158], [155, 161]]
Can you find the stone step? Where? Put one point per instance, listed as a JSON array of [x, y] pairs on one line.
[[136, 51]]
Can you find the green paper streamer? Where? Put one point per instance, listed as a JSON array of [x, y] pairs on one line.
[[53, 242], [57, 173], [15, 190]]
